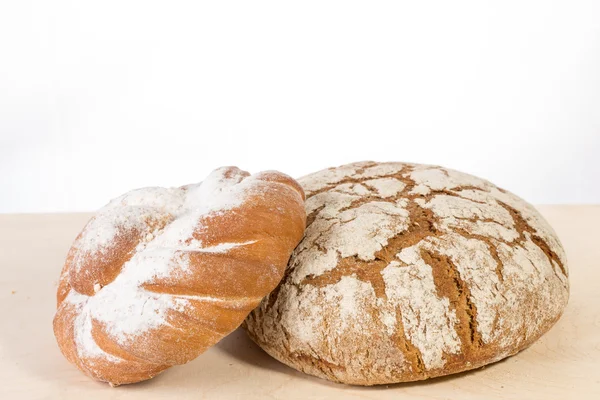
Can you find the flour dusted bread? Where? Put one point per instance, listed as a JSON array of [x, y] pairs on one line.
[[159, 275], [408, 272]]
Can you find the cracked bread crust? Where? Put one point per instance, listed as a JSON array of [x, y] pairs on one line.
[[408, 272]]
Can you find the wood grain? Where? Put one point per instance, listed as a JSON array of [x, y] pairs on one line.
[[564, 363]]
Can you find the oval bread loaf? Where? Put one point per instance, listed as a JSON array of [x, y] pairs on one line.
[[159, 275], [408, 272]]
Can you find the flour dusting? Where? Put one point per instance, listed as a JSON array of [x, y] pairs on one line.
[[123, 307], [411, 271]]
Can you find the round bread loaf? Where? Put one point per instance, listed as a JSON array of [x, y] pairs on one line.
[[159, 275], [408, 272]]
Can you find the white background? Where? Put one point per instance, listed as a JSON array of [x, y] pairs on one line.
[[99, 97]]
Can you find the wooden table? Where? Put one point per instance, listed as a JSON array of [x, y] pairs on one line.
[[564, 363]]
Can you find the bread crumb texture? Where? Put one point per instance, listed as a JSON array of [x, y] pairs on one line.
[[408, 272]]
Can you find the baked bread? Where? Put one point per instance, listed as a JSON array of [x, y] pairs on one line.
[[159, 275], [408, 272]]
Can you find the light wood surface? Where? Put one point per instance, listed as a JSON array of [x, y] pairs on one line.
[[564, 363]]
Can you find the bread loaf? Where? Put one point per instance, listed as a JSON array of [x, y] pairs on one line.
[[159, 275], [408, 272]]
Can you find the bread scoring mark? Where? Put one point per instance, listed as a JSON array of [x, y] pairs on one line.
[[195, 246], [450, 285], [332, 175], [310, 218], [531, 273], [179, 293], [428, 320], [100, 265], [485, 218], [386, 187], [352, 266], [414, 357], [87, 346], [522, 226], [491, 246]]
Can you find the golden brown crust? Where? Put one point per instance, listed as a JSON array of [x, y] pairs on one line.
[[160, 275]]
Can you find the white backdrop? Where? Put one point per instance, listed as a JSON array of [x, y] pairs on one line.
[[97, 98]]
